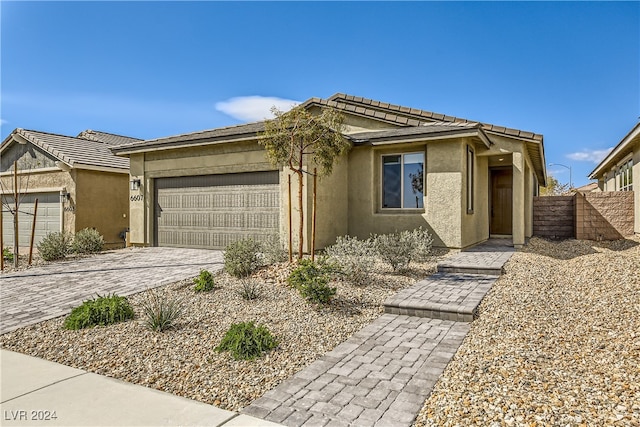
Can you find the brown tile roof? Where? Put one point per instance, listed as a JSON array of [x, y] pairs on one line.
[[75, 152], [427, 129], [107, 138], [398, 114], [225, 134]]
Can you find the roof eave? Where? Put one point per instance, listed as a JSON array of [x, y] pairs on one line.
[[123, 150], [607, 162], [478, 133]]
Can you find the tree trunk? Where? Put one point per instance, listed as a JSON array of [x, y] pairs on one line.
[[301, 229]]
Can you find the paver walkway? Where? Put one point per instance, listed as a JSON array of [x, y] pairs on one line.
[[383, 374], [37, 294]]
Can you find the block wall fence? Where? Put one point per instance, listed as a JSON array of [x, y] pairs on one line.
[[591, 216]]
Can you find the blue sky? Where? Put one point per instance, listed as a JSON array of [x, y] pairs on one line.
[[570, 71]]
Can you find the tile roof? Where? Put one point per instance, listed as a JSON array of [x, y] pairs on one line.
[[405, 116], [225, 134], [76, 152], [107, 138], [432, 128], [394, 114]]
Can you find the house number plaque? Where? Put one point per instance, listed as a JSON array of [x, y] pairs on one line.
[[137, 198]]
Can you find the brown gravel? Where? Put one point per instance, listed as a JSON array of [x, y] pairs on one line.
[[182, 361], [557, 342]]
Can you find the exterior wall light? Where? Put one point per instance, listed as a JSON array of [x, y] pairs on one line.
[[64, 196], [135, 184]]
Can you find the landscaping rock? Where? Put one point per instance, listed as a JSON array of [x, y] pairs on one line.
[[183, 360], [557, 342]]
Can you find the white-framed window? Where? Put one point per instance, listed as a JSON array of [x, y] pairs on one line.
[[470, 179], [624, 176], [403, 181]]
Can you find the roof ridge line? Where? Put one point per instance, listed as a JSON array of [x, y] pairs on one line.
[[43, 145]]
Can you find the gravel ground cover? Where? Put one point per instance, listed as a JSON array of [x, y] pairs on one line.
[[183, 361], [557, 342]]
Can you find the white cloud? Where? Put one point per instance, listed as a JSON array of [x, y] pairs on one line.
[[254, 108], [3, 122], [593, 156]]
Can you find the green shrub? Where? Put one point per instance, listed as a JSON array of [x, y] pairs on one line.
[[7, 254], [355, 258], [99, 311], [249, 289], [241, 258], [160, 312], [55, 245], [247, 341], [312, 280], [400, 248], [204, 282], [87, 241], [273, 250]]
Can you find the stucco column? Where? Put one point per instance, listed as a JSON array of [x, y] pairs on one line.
[[518, 200]]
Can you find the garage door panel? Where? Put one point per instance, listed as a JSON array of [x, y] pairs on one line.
[[215, 210], [47, 221]]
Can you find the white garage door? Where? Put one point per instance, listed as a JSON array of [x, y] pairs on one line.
[[47, 220], [211, 211]]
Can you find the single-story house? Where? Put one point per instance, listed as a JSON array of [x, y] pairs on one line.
[[462, 180], [621, 167], [78, 182]]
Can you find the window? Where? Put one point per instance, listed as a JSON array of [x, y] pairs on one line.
[[403, 181], [625, 176], [470, 179]]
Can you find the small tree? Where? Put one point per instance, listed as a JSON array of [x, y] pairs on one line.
[[298, 138], [554, 187]]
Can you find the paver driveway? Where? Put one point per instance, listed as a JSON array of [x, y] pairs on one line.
[[42, 293]]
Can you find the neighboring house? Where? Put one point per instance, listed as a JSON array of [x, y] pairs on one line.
[[464, 181], [621, 168], [591, 187], [78, 182]]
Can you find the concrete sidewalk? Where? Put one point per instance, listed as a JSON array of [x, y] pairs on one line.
[[36, 392]]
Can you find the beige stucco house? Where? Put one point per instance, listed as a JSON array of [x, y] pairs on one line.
[[621, 168], [464, 181], [78, 182]]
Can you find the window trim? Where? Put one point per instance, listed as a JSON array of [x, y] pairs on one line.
[[471, 179], [381, 184], [624, 175]]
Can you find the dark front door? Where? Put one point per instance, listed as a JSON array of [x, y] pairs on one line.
[[501, 204]]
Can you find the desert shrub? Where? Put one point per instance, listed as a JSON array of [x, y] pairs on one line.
[[273, 250], [204, 282], [87, 241], [103, 310], [246, 341], [241, 258], [55, 245], [422, 242], [312, 280], [400, 248], [7, 254], [249, 289], [355, 258], [160, 312]]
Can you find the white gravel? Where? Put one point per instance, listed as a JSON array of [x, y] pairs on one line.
[[557, 342], [182, 361]]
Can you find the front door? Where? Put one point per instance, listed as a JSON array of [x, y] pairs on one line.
[[501, 203]]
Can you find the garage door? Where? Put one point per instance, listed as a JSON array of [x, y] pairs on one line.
[[211, 211], [48, 217]]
